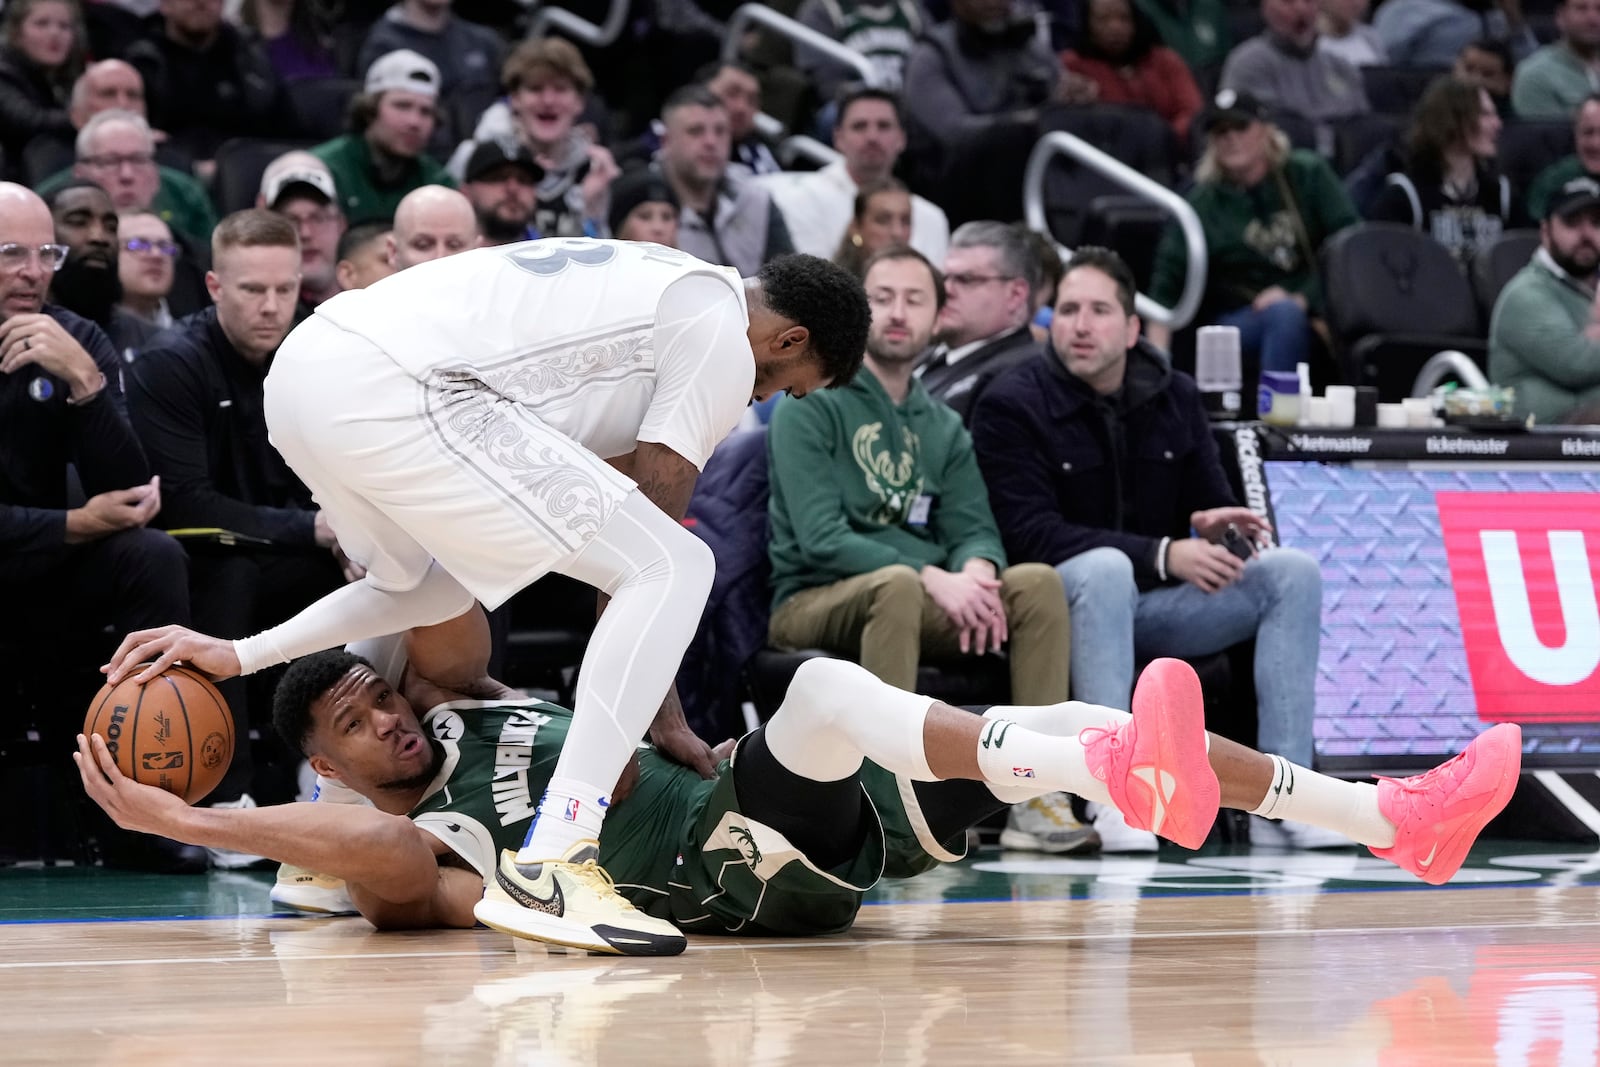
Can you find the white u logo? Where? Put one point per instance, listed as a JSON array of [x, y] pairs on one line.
[[1576, 659]]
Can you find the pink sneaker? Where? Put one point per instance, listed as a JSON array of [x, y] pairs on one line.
[[1437, 815], [1156, 765]]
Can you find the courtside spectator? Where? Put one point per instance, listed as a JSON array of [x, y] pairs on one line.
[[1120, 53], [88, 283], [884, 33], [195, 394], [1100, 461], [299, 186], [466, 55], [881, 220], [431, 223], [1489, 63], [205, 81], [1432, 33], [384, 156], [1544, 336], [1552, 83], [297, 36], [547, 83], [1342, 30], [990, 275], [818, 206], [42, 54], [1585, 161], [1266, 211], [644, 208], [146, 266], [1195, 29], [502, 181], [1282, 67], [737, 86], [364, 255], [77, 569], [883, 546], [723, 217], [1450, 187]]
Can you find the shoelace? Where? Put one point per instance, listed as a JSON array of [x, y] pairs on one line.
[[591, 871], [1091, 734]]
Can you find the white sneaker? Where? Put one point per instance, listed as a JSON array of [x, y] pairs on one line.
[[1285, 834], [309, 891], [226, 858], [1116, 836], [1046, 824]]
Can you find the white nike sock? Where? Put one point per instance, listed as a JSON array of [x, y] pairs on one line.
[[1350, 808], [1010, 755], [1067, 719]]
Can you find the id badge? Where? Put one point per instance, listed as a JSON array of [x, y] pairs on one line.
[[921, 508]]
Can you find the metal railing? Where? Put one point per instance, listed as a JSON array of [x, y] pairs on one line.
[[1061, 143], [1442, 366], [747, 15], [548, 17]]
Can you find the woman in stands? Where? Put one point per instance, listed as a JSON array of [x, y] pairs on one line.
[[1266, 211], [1449, 186], [1121, 54], [41, 56], [296, 35], [882, 220]]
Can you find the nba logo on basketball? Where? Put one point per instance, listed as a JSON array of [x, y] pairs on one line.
[[1525, 595], [572, 811]]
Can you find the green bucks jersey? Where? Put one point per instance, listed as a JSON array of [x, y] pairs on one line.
[[678, 846]]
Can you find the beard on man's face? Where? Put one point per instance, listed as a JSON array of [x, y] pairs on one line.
[[87, 284]]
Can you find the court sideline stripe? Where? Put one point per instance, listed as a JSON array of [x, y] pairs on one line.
[[864, 942]]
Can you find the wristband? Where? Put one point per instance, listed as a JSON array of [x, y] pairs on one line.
[[1161, 557]]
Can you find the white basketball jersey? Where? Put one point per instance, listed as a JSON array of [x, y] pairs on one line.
[[564, 327]]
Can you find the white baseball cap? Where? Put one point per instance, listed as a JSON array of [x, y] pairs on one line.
[[296, 168], [403, 69]]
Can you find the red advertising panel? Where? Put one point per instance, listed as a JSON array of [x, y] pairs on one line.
[[1525, 593]]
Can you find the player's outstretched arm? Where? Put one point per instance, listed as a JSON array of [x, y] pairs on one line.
[[390, 863]]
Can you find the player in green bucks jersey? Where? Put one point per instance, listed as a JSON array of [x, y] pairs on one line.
[[798, 823]]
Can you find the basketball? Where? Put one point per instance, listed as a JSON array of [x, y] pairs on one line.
[[175, 732]]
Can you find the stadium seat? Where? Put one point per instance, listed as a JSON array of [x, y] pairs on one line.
[[321, 105], [1396, 90], [1357, 137], [1494, 266], [1528, 147], [1394, 298], [1134, 136], [1129, 225], [240, 164]]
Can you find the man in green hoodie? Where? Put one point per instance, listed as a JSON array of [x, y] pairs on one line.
[[883, 546]]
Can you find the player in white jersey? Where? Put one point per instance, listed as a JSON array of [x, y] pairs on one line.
[[473, 423]]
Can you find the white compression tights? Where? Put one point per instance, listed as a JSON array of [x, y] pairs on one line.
[[658, 576]]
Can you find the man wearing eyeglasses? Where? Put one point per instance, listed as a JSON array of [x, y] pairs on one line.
[[991, 272], [88, 282], [146, 267], [68, 571]]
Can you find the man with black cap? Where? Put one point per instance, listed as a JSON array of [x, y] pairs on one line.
[[1544, 337], [88, 283], [502, 181], [299, 186]]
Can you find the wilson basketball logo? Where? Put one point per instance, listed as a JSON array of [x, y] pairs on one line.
[[1525, 594]]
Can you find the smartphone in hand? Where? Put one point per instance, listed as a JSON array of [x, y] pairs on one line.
[[1237, 543]]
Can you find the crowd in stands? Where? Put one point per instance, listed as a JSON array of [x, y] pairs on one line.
[[1022, 463]]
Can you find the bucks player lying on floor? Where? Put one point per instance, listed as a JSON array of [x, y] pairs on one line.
[[850, 781]]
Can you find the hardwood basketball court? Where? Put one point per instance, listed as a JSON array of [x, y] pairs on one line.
[[1222, 957]]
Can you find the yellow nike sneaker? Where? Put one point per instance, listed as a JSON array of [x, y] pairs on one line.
[[309, 891], [572, 901]]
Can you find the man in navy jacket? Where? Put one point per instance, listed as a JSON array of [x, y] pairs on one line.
[[67, 571], [1100, 461]]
